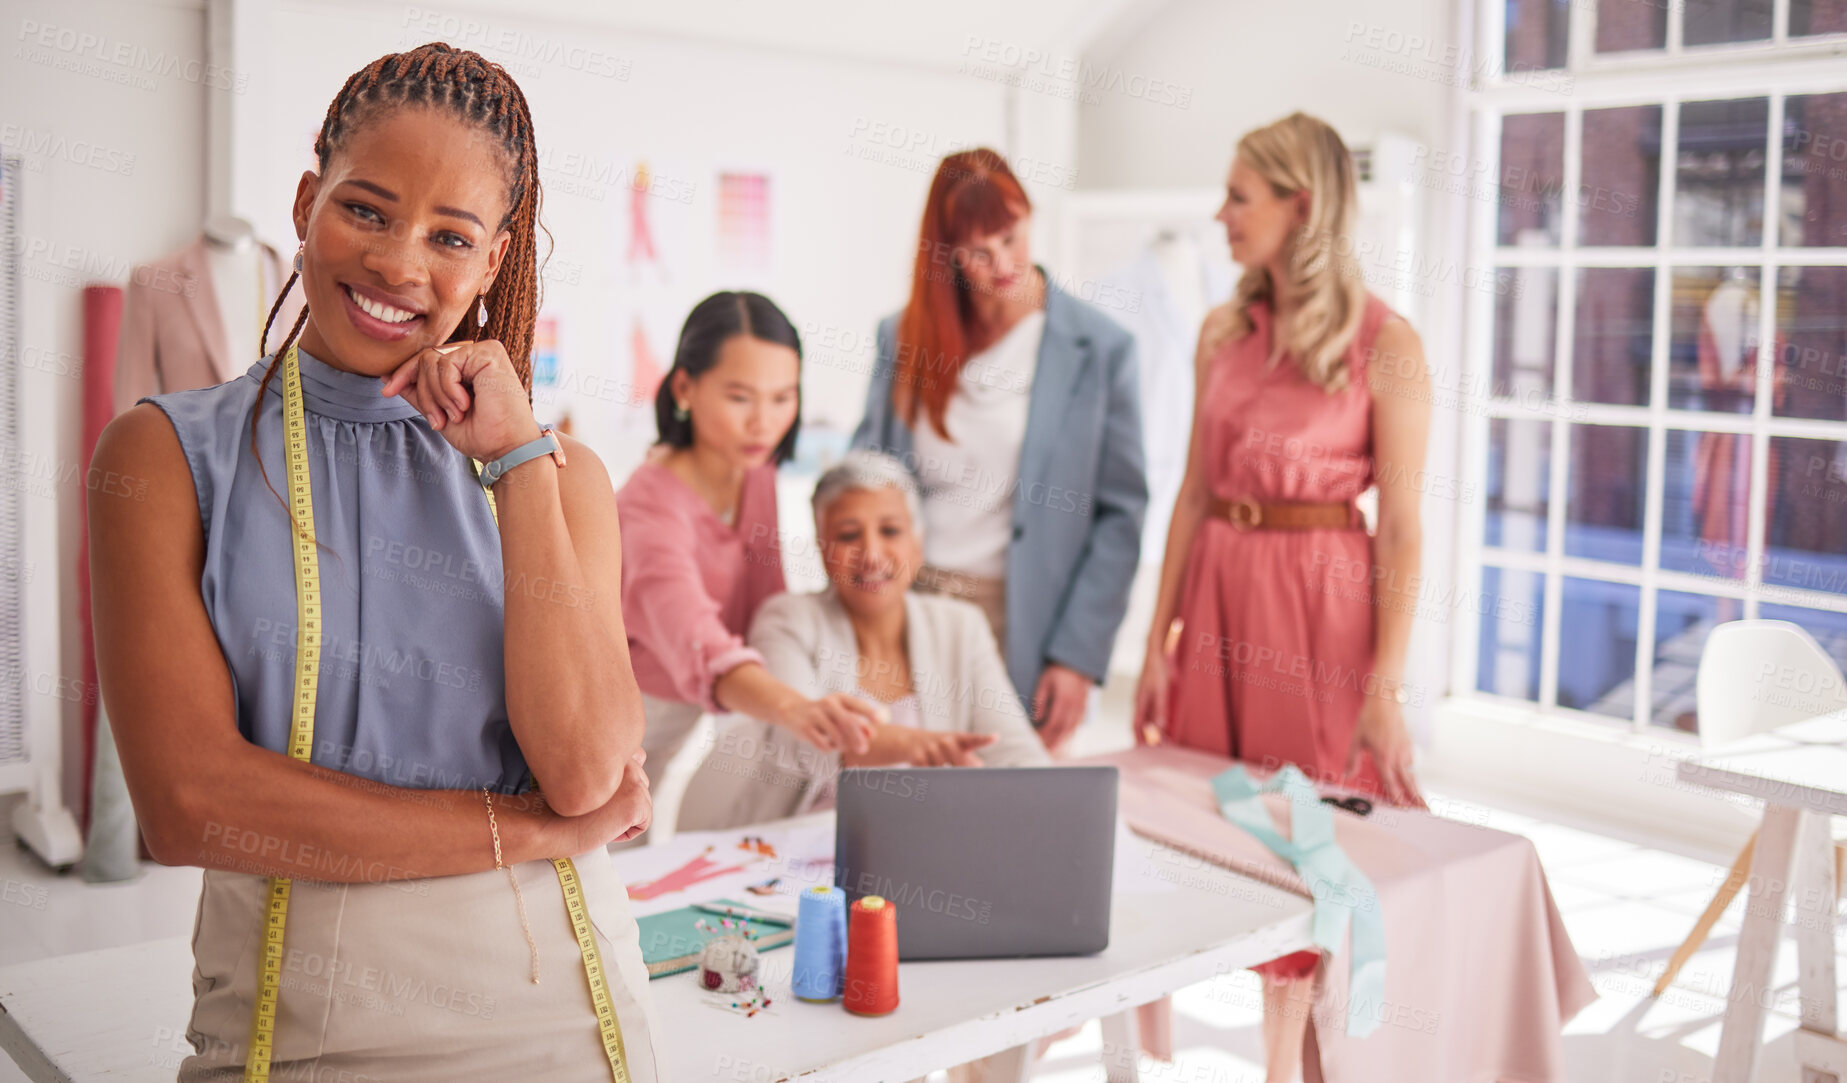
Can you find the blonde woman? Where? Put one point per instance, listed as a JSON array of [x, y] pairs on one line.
[[1292, 633]]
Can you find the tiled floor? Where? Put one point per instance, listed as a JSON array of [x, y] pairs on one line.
[[1627, 907]]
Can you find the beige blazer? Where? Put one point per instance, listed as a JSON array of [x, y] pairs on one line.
[[755, 772], [172, 336]]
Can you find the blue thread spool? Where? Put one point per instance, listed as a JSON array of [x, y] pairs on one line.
[[820, 944]]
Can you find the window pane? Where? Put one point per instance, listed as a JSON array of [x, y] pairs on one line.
[[1512, 607], [1817, 17], [1603, 500], [1631, 24], [1715, 22], [1525, 327], [1811, 340], [1519, 450], [1829, 629], [1719, 194], [1682, 623], [1705, 504], [1532, 177], [1712, 345], [1596, 660], [1814, 169], [1622, 172], [1806, 530], [1611, 344], [1536, 33]]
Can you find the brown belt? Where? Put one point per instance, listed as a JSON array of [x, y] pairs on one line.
[[1256, 515]]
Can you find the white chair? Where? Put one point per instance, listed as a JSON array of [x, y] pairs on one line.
[[1757, 675]]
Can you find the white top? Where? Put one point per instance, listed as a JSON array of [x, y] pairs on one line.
[[238, 289], [968, 484]]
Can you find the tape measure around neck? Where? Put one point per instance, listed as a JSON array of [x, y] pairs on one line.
[[301, 747]]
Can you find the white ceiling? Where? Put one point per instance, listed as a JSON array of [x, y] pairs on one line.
[[933, 34]]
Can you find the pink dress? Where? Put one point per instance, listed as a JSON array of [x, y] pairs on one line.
[[1275, 650]]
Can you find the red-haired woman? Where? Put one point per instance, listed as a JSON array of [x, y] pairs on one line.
[[1017, 407], [470, 643], [1311, 390]]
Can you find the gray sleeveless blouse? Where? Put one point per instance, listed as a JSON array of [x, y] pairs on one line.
[[412, 689]]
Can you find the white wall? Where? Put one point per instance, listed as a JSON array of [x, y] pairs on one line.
[[843, 223], [105, 101], [1245, 65]]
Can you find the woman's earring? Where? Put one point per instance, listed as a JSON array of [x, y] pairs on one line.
[[481, 310], [680, 412], [298, 252]]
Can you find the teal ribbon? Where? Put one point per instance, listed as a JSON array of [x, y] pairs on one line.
[[1344, 898]]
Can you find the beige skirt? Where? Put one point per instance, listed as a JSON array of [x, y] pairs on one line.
[[420, 980]]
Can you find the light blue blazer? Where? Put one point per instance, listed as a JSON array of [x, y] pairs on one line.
[[1082, 491]]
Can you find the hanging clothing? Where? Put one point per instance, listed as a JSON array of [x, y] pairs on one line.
[[173, 333]]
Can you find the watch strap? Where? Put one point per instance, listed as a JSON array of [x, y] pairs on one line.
[[546, 444]]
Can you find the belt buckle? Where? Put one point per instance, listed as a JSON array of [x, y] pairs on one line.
[[1245, 514]]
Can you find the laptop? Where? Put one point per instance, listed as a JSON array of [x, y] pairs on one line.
[[982, 862]]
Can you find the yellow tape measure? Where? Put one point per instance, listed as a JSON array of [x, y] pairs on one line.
[[301, 747], [606, 1024], [573, 888]]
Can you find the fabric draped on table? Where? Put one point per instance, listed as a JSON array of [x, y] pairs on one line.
[[1482, 976]]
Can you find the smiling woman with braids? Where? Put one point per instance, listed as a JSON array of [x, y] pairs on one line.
[[471, 650]]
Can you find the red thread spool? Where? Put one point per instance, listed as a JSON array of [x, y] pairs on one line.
[[872, 957]]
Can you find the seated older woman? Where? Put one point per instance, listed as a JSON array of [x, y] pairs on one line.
[[929, 659]]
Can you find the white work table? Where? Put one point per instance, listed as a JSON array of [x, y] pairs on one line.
[[121, 1014], [1800, 773]]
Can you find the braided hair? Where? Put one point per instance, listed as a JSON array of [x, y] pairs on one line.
[[478, 92]]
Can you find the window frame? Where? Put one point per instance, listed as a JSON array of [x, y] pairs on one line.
[[1775, 69]]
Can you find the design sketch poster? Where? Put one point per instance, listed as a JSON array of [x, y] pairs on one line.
[[743, 222]]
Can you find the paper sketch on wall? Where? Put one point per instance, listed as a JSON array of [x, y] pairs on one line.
[[743, 222], [641, 247], [645, 376], [545, 353]]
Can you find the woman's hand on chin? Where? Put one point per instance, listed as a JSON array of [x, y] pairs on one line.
[[470, 393]]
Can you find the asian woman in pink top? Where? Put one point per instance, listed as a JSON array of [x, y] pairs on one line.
[[699, 542]]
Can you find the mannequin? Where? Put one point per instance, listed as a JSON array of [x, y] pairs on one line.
[[192, 318], [241, 282], [1731, 318]]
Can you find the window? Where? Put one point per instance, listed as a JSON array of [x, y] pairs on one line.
[[1662, 444]]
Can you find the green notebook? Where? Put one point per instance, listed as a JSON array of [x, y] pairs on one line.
[[671, 941]]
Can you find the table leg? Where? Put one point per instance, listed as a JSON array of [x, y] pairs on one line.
[[1813, 884], [1121, 1051], [1743, 1031], [1007, 1066]]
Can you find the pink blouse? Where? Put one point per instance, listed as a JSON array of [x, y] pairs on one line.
[[691, 584]]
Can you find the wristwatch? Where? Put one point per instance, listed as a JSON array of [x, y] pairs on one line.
[[547, 444]]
